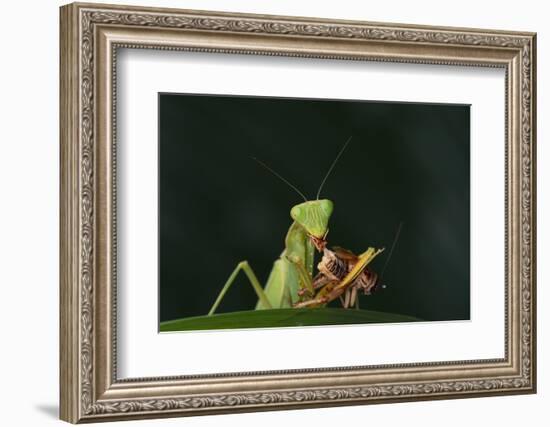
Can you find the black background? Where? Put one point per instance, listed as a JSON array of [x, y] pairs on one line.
[[406, 162]]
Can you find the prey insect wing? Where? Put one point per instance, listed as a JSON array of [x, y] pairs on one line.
[[364, 259], [344, 254]]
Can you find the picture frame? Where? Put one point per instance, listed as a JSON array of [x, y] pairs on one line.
[[91, 37]]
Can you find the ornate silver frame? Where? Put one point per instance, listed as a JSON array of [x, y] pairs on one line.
[[90, 36]]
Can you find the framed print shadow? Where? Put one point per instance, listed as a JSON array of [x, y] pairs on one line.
[[344, 210]]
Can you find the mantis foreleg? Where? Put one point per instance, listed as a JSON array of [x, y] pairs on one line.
[[299, 252], [244, 266], [306, 283]]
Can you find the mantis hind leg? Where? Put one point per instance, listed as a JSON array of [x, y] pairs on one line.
[[244, 266]]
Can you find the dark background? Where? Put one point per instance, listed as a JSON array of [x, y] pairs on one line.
[[407, 162]]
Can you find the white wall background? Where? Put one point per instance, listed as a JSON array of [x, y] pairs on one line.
[[29, 170]]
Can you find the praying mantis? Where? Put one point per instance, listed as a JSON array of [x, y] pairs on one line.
[[290, 282]]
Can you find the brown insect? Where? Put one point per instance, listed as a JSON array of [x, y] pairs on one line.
[[344, 275]]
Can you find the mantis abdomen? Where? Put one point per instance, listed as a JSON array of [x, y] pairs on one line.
[[279, 286], [291, 272]]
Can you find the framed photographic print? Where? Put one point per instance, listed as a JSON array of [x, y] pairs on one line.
[[237, 205], [265, 212]]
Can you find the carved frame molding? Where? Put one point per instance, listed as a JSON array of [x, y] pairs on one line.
[[90, 37]]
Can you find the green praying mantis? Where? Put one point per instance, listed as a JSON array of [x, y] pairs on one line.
[[291, 281]]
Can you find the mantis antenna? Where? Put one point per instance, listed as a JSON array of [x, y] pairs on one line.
[[397, 233], [332, 166], [280, 177]]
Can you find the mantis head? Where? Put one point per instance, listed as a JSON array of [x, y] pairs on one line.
[[313, 216]]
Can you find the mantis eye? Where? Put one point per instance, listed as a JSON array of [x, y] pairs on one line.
[[295, 212]]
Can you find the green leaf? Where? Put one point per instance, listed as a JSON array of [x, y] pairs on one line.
[[283, 317]]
